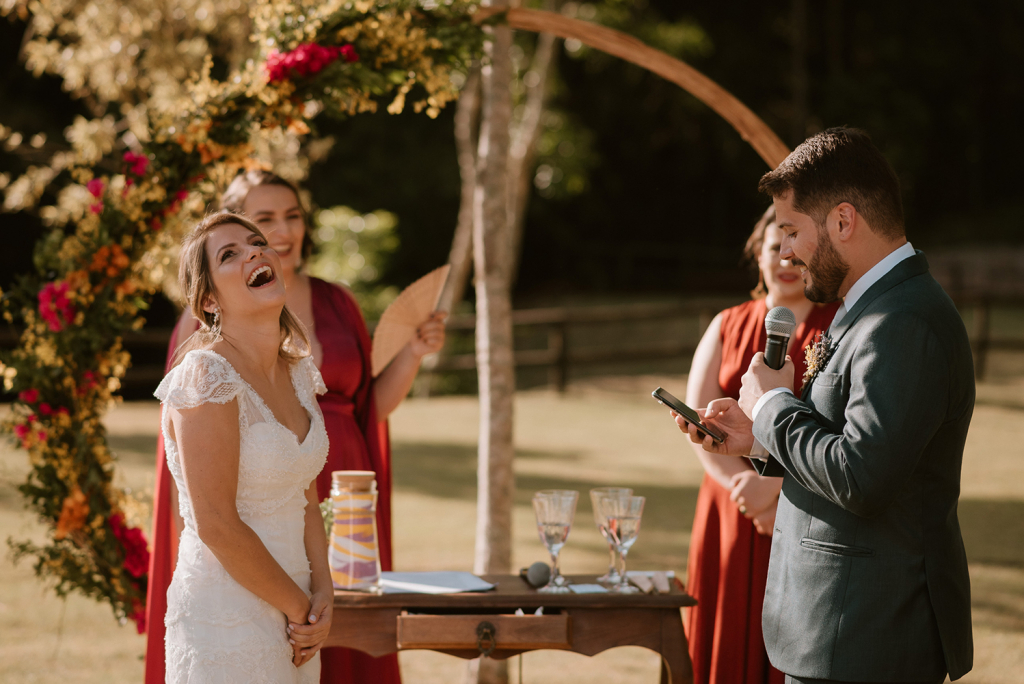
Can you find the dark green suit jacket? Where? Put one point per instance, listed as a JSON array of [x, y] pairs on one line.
[[868, 576]]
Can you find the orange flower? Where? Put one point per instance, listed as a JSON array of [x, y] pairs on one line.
[[209, 151], [109, 258], [73, 514], [125, 287]]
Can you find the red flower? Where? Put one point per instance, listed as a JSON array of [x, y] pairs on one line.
[[348, 53], [54, 306], [305, 60], [21, 431], [96, 187], [139, 615], [136, 555], [45, 409], [137, 163], [88, 382], [29, 396]]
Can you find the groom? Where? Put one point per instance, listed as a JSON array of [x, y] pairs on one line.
[[868, 576]]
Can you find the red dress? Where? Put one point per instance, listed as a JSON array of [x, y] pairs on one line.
[[357, 442], [728, 564]]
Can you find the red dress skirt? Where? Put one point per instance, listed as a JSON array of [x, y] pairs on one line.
[[357, 442], [728, 564]]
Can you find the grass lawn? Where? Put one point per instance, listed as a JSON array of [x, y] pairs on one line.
[[602, 432]]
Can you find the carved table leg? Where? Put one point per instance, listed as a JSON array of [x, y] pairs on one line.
[[675, 658]]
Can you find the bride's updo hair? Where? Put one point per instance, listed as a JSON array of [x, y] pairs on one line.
[[196, 284]]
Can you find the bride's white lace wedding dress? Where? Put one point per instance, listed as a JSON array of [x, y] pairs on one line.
[[218, 631]]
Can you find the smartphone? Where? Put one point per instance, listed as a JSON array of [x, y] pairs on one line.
[[686, 412]]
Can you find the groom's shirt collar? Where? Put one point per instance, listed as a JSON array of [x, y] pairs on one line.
[[875, 273]]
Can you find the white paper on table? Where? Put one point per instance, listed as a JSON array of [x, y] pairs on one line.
[[443, 582], [588, 589], [650, 573]]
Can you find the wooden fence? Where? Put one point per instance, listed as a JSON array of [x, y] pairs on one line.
[[559, 356]]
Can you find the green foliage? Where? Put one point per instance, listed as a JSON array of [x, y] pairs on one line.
[[99, 263], [351, 249]]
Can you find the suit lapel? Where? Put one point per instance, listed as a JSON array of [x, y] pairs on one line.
[[906, 269]]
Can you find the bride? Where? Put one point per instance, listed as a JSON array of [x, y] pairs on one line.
[[251, 598]]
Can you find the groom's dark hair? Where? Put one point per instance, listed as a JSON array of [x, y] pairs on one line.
[[840, 165]]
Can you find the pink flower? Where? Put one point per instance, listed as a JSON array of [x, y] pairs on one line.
[[21, 431], [45, 409], [96, 187], [41, 435], [63, 411], [54, 306], [137, 163], [96, 208], [305, 60], [29, 396]]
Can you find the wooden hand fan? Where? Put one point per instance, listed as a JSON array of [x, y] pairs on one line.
[[409, 310]]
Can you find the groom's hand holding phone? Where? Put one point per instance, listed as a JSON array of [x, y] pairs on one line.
[[725, 416]]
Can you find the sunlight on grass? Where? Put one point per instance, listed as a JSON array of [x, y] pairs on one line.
[[604, 431]]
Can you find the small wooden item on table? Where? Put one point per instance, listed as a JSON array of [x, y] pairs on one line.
[[468, 624]]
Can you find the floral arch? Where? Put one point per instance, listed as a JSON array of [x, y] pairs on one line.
[[95, 271]]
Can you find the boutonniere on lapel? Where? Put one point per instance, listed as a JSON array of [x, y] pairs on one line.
[[816, 356]]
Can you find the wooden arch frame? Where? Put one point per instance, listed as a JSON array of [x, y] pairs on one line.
[[750, 126]]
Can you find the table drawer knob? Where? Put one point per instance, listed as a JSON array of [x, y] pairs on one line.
[[485, 638]]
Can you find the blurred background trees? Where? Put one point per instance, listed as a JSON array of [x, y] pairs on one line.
[[635, 187]]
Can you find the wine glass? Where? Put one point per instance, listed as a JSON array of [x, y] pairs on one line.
[[623, 516], [555, 509], [612, 576]]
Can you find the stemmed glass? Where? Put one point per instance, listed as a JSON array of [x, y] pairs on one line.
[[555, 510], [623, 516], [612, 576]]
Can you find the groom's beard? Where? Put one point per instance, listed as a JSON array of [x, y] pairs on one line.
[[827, 270]]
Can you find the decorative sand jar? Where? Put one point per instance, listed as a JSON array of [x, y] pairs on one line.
[[353, 553]]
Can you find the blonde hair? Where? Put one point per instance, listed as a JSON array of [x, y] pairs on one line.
[[196, 284]]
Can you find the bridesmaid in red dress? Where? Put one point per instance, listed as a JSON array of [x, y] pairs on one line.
[[355, 408], [735, 515]]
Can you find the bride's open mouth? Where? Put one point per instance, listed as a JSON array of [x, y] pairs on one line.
[[264, 275]]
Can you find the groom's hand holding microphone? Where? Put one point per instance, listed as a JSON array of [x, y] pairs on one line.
[[770, 370]]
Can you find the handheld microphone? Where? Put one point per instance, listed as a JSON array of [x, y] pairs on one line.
[[779, 324], [537, 575]]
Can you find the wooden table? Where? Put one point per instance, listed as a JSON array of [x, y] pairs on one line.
[[582, 623]]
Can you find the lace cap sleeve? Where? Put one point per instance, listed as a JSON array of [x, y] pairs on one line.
[[202, 377], [316, 381]]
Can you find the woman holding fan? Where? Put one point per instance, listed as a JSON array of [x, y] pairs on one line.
[[355, 406], [735, 515]]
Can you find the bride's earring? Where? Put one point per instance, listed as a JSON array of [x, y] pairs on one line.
[[216, 318]]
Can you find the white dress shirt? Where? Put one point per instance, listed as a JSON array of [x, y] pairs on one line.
[[874, 274]]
